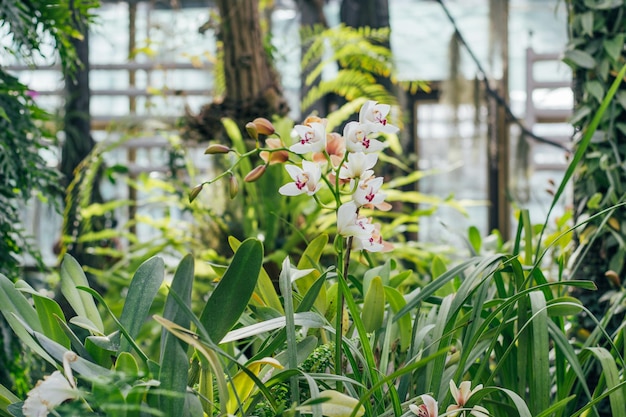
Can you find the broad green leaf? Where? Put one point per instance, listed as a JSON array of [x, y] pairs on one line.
[[49, 314], [586, 20], [614, 46], [173, 360], [612, 379], [397, 302], [73, 276], [519, 405], [13, 301], [579, 58], [233, 292], [141, 292], [373, 310], [102, 349], [564, 306], [595, 89], [25, 334], [126, 364], [265, 286]]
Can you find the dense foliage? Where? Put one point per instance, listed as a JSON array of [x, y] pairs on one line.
[[596, 52], [33, 27]]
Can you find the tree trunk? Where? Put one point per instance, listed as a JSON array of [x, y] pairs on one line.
[[76, 147], [253, 88]]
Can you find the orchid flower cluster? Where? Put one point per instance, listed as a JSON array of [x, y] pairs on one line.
[[348, 161]]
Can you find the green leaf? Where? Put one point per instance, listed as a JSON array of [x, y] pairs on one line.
[[540, 347], [141, 292], [231, 296], [586, 20], [127, 364], [72, 276], [174, 361], [397, 302], [614, 46], [579, 58], [49, 314], [373, 310], [310, 259], [475, 238], [603, 4], [595, 89], [612, 379], [307, 319], [564, 306], [13, 301]]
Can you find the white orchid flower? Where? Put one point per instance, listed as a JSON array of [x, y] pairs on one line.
[[376, 115], [358, 138], [312, 138], [368, 193], [428, 408], [374, 242], [462, 395], [306, 179], [53, 390], [358, 165], [350, 224]]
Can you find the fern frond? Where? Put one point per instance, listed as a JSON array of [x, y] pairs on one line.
[[350, 84]]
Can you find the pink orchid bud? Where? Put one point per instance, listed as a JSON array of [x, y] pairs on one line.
[[255, 174], [264, 126], [195, 191], [216, 148], [233, 187]]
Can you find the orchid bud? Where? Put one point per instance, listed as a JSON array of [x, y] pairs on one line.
[[233, 187], [195, 191], [264, 126], [216, 148], [255, 174], [252, 130]]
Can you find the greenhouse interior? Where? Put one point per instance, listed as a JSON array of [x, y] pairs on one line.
[[313, 207]]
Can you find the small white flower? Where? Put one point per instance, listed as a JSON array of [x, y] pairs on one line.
[[306, 179], [312, 138], [55, 389]]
